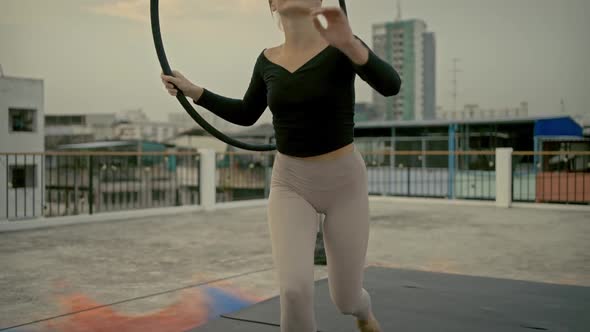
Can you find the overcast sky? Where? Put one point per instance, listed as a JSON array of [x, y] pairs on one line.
[[98, 55]]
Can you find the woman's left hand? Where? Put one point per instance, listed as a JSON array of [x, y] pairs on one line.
[[338, 32]]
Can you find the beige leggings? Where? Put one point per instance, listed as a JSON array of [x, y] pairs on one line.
[[300, 189]]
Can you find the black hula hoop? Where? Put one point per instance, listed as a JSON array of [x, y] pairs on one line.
[[188, 107]]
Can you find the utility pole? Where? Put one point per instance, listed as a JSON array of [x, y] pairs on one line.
[[455, 92]]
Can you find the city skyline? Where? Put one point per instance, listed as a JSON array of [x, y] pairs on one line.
[[98, 56]]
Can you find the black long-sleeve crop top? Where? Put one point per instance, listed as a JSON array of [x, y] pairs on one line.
[[312, 107]]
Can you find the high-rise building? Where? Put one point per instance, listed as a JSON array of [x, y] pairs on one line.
[[363, 112], [429, 77], [411, 50]]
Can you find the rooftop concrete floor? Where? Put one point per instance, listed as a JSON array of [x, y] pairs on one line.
[[53, 271]]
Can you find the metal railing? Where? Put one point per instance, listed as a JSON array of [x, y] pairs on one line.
[[243, 175], [21, 179], [427, 174], [246, 175], [551, 177], [71, 183]]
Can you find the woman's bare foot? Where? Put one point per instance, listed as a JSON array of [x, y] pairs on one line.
[[370, 325]]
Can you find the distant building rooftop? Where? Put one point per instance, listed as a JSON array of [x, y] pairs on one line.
[[446, 122], [20, 78], [264, 130], [106, 145]]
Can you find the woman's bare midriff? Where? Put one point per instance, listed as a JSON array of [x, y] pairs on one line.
[[332, 154]]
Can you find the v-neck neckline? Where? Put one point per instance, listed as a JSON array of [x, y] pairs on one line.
[[300, 67]]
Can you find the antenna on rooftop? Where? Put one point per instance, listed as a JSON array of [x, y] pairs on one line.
[[399, 11], [455, 92], [562, 106]]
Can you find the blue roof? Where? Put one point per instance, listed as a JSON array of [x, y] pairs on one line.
[[564, 126]]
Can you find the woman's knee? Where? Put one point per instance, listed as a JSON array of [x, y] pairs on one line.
[[300, 294]]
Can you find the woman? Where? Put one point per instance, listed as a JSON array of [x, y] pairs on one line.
[[308, 84]]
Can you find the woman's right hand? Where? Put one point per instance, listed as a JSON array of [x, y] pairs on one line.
[[182, 83]]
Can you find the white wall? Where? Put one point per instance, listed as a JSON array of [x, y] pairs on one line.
[[101, 125], [145, 130], [21, 93], [200, 142]]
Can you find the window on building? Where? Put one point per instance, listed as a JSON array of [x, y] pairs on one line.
[[23, 176], [50, 121], [22, 120]]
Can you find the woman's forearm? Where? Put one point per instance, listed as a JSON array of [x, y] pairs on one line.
[[195, 93], [356, 51]]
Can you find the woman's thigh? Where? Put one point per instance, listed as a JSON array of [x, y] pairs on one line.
[[346, 235], [292, 224]]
